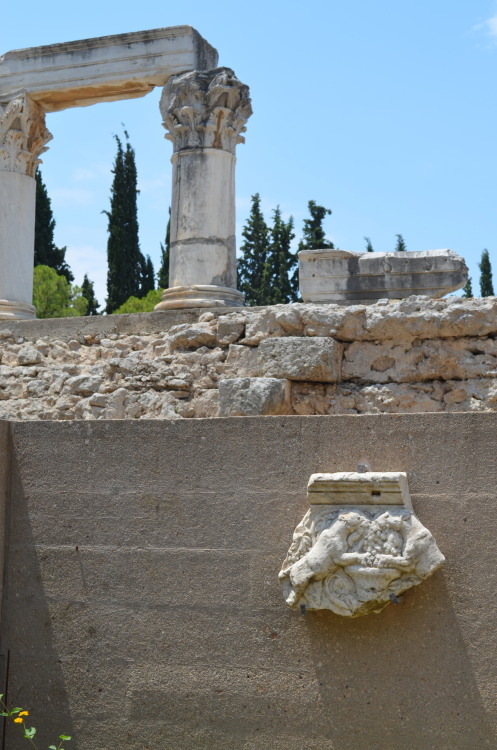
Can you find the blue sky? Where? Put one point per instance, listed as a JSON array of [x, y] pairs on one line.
[[385, 112]]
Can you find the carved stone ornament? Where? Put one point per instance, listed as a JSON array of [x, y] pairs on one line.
[[23, 135], [358, 546], [205, 109]]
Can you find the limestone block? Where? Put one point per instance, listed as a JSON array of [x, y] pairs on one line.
[[250, 397], [359, 546], [192, 337], [242, 361], [345, 277], [28, 355], [300, 358]]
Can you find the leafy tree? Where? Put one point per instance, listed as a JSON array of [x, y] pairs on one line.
[[142, 304], [125, 261], [400, 247], [53, 296], [254, 273], [163, 274], [369, 245], [468, 289], [486, 285], [147, 277], [281, 261], [88, 293], [46, 252], [313, 237]]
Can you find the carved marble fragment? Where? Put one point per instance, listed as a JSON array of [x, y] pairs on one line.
[[358, 546]]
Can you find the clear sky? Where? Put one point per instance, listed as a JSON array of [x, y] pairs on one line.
[[384, 112]]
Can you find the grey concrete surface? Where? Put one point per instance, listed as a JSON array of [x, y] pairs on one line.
[[143, 608]]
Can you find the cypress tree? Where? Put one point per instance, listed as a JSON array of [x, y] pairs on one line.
[[468, 289], [369, 246], [400, 247], [281, 260], [313, 236], [254, 272], [163, 275], [88, 293], [486, 285], [46, 252], [147, 277], [125, 261]]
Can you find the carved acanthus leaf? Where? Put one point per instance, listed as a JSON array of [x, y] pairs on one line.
[[205, 109], [23, 135]]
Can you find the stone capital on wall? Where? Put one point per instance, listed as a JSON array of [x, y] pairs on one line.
[[23, 135], [205, 109]]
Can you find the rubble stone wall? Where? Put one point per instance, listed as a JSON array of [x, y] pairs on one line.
[[417, 355]]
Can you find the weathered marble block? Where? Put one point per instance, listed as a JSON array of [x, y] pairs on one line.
[[315, 358], [253, 397], [359, 545], [344, 277]]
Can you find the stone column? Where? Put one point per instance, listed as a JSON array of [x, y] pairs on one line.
[[22, 139], [205, 113]]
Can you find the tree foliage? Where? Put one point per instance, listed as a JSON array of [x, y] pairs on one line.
[[128, 270], [254, 276], [53, 296], [400, 247], [46, 251], [281, 261], [142, 304], [163, 274], [486, 284], [468, 289], [369, 245], [313, 236], [88, 293]]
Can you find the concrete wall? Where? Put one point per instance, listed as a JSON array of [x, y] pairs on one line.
[[143, 608]]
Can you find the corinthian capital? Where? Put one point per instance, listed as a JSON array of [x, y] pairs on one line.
[[23, 135], [205, 109]]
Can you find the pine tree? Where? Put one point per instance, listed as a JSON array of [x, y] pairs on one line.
[[468, 289], [313, 237], [486, 285], [125, 261], [88, 293], [163, 275], [281, 260], [369, 245], [46, 252], [400, 247], [254, 273]]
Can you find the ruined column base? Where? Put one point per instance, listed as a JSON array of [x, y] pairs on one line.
[[12, 310], [200, 295]]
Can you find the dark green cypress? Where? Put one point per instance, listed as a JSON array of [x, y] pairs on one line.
[[46, 252], [148, 277], [486, 285], [400, 247], [163, 275], [468, 289], [88, 293], [124, 259], [313, 236], [254, 272], [369, 245], [281, 259]]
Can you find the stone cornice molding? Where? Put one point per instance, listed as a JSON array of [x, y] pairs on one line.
[[23, 135], [205, 109]]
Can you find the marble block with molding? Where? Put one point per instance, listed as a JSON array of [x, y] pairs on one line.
[[359, 546], [344, 277]]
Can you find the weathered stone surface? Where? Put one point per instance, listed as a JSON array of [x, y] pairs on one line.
[[300, 358], [250, 397], [359, 546], [345, 277]]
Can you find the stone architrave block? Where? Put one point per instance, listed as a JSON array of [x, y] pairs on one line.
[[359, 545], [254, 397], [315, 358]]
